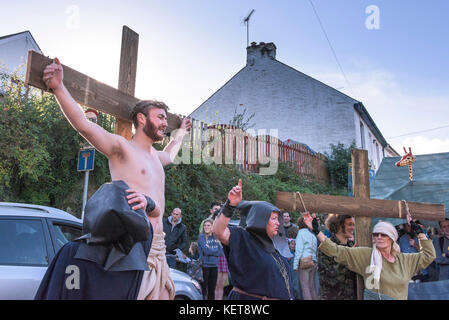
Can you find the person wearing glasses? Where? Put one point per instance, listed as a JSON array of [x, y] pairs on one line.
[[385, 270]]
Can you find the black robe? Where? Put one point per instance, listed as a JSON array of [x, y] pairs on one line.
[[108, 261], [253, 269], [95, 283]]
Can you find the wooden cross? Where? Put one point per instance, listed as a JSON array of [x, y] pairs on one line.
[[94, 94], [360, 206]]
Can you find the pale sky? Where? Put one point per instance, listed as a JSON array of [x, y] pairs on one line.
[[395, 62]]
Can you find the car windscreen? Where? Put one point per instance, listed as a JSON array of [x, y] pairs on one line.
[[22, 243]]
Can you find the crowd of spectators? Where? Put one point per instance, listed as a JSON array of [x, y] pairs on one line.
[[316, 275]]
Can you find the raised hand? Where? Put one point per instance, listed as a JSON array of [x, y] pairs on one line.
[[186, 124], [308, 219], [53, 75], [311, 222], [235, 195], [416, 228]]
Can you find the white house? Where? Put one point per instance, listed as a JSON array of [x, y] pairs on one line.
[[14, 52], [300, 107]]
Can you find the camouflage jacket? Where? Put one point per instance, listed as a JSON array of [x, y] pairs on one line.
[[336, 281]]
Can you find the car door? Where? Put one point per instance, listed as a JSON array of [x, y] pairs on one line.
[[24, 256]]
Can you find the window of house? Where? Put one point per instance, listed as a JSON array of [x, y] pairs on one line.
[[370, 146], [378, 153], [362, 134]]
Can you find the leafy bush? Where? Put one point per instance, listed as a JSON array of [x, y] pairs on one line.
[[194, 187], [338, 162], [38, 150]]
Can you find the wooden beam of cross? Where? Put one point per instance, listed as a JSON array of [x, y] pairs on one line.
[[97, 95], [361, 191], [360, 206], [127, 75]]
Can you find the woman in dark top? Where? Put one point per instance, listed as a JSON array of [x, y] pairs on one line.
[[257, 269], [209, 249]]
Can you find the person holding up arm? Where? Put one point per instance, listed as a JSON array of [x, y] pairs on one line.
[[137, 168], [257, 269]]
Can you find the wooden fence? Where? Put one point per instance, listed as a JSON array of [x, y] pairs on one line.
[[224, 144]]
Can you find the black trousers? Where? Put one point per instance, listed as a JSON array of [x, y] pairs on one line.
[[210, 275]]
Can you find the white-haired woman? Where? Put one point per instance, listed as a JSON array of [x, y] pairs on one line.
[[385, 270]]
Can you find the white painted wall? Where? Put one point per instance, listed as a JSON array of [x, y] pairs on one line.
[[375, 150], [14, 53]]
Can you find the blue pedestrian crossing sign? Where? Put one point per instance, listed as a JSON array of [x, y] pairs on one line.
[[86, 159]]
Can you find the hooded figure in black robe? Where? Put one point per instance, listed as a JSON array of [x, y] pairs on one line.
[[255, 265], [108, 261]]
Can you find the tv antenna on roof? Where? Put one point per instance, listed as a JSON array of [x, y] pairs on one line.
[[246, 21]]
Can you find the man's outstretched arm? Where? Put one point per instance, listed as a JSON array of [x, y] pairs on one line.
[[101, 139], [170, 152]]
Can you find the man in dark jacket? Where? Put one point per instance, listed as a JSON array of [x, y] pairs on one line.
[[441, 245], [287, 225], [175, 236]]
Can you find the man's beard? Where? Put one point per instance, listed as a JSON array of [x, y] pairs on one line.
[[151, 131]]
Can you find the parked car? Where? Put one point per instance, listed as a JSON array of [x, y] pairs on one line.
[[30, 236]]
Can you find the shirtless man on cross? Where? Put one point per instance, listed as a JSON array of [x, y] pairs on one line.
[[137, 163]]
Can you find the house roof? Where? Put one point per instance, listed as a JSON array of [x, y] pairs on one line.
[[430, 183], [12, 35], [358, 106], [19, 33], [391, 150]]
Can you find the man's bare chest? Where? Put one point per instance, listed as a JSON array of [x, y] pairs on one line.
[[147, 166], [140, 170]]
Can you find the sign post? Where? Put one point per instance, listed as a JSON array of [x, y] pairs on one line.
[[86, 159]]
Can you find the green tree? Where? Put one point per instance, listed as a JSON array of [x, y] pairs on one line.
[[338, 161], [39, 148]]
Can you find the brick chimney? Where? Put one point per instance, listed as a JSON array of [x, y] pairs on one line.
[[256, 52]]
